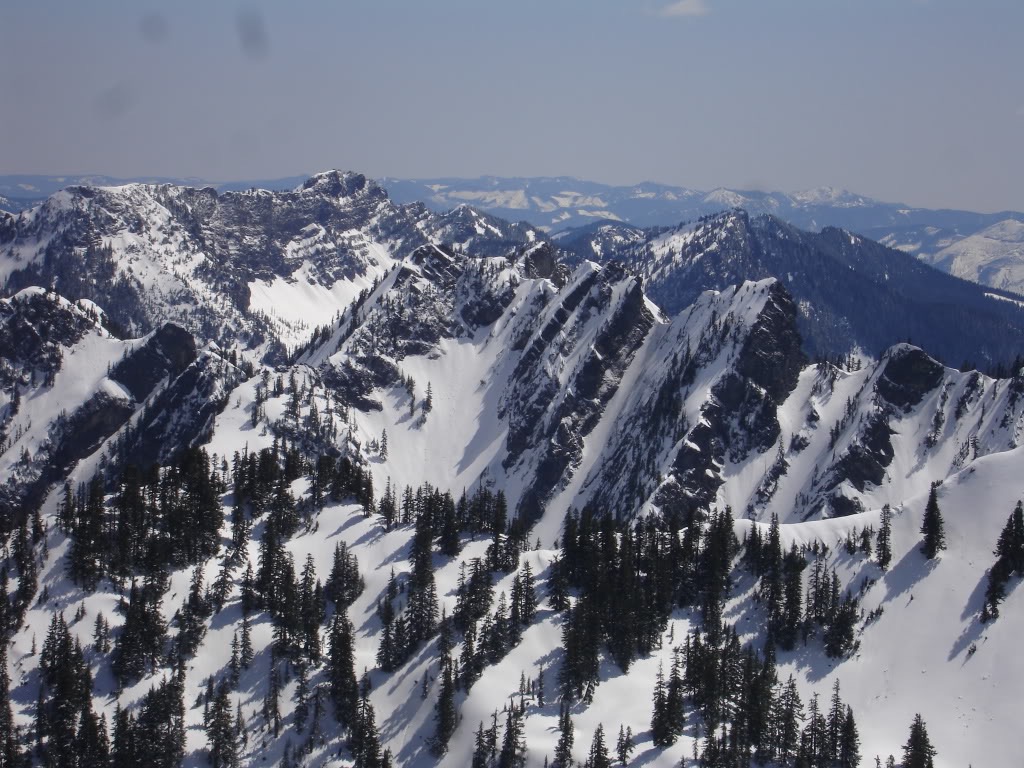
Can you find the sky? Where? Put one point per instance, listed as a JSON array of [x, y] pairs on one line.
[[915, 101]]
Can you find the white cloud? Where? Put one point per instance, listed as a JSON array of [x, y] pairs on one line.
[[686, 8]]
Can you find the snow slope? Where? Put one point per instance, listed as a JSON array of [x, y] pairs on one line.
[[993, 257], [565, 389]]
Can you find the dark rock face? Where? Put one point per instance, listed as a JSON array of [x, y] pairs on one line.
[[767, 370], [908, 376], [596, 382], [46, 326], [851, 291], [696, 475], [164, 356], [741, 416], [533, 398], [771, 356], [182, 415], [865, 462]]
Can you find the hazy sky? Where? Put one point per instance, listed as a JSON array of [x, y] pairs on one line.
[[920, 101]]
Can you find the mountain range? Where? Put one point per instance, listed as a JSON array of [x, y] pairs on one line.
[[459, 405], [985, 248]]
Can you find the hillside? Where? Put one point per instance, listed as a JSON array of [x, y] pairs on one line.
[[236, 528], [853, 293]]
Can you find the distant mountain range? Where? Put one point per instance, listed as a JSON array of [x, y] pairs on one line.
[[987, 248]]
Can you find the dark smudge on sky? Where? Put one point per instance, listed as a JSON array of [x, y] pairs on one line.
[[252, 33], [112, 102], [153, 27]]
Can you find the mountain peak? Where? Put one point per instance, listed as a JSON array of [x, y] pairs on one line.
[[341, 184]]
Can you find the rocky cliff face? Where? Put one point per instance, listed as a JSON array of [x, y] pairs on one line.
[[851, 293], [225, 266]]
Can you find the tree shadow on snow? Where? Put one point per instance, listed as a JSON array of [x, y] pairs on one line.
[[974, 629], [908, 571]]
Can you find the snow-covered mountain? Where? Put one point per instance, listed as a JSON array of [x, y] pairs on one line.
[[245, 268], [994, 256], [852, 293], [983, 248], [468, 406], [564, 204]]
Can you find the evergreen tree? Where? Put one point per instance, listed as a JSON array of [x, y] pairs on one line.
[[481, 748], [563, 749], [364, 740], [446, 714], [558, 586], [793, 565], [342, 687], [624, 745], [918, 752], [836, 721], [932, 527], [159, 730], [140, 643], [92, 743], [123, 752], [302, 699], [884, 545], [1009, 561], [10, 752], [513, 744], [272, 701], [849, 742], [245, 650], [598, 757], [789, 715], [1011, 541], [814, 739], [220, 730]]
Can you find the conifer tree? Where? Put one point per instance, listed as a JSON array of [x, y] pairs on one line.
[[563, 749], [793, 565], [836, 721], [245, 649], [789, 714], [481, 748], [849, 742], [1011, 541], [345, 583], [884, 545], [342, 687], [598, 757], [220, 730], [446, 714], [513, 743], [92, 745], [624, 745], [932, 527], [364, 740], [918, 752], [10, 752], [302, 699], [1009, 561]]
